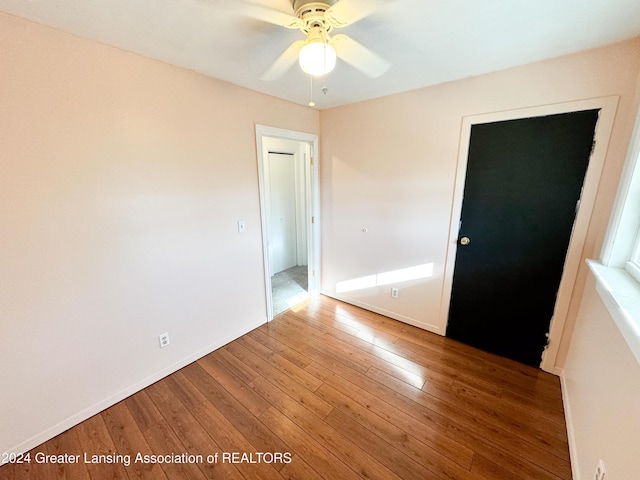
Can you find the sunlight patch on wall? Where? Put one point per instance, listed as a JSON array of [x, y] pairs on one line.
[[386, 278]]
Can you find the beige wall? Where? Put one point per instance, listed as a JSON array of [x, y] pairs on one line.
[[389, 166], [601, 387], [121, 182], [601, 384]]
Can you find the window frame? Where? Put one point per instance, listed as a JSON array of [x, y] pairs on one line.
[[622, 240], [633, 264], [617, 272]]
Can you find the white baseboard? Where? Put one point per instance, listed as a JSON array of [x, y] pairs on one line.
[[386, 313], [573, 454], [89, 412]]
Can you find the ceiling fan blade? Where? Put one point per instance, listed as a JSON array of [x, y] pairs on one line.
[[346, 12], [284, 62], [269, 15], [359, 56]]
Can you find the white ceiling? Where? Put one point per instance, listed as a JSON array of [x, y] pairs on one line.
[[426, 41]]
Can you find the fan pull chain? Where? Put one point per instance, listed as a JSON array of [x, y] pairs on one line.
[[324, 77], [324, 54], [311, 102]]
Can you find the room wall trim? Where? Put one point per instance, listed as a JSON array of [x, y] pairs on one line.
[[89, 412], [387, 313], [571, 435]]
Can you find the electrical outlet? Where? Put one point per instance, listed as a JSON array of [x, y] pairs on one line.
[[164, 340], [394, 292], [600, 471]]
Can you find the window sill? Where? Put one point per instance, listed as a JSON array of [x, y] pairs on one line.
[[621, 295]]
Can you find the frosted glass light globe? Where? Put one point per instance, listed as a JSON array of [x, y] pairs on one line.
[[317, 58]]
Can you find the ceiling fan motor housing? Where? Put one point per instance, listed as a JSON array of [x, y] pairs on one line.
[[312, 13], [301, 6]]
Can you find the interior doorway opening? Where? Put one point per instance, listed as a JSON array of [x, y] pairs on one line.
[[286, 211], [288, 201]]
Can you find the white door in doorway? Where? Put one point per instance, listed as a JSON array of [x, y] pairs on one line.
[[282, 193]]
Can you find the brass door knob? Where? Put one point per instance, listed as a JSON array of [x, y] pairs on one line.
[[464, 241]]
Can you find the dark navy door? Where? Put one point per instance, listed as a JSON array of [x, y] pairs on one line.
[[523, 183]]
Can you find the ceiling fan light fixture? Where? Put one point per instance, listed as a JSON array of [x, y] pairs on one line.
[[317, 58]]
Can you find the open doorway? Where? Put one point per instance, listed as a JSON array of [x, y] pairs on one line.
[[286, 211], [288, 201]]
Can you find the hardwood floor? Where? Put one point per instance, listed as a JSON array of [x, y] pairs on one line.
[[328, 392]]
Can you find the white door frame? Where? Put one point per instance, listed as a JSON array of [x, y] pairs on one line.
[[263, 135], [607, 106]]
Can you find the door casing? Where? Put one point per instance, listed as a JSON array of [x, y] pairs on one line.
[[266, 138], [607, 106]]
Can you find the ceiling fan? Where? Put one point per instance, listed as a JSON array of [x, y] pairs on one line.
[[317, 53]]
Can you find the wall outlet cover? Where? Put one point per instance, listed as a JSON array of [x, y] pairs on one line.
[[164, 340]]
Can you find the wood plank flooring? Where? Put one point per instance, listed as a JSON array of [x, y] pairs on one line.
[[328, 392]]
